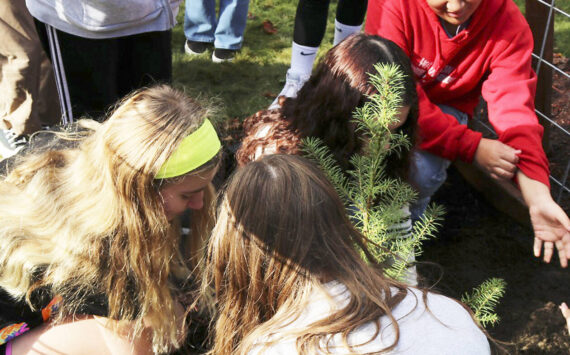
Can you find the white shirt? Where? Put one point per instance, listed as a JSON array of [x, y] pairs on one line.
[[445, 329]]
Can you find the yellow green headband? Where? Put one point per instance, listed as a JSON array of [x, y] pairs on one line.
[[194, 151]]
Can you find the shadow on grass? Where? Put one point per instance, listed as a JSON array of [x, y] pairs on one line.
[[243, 86]]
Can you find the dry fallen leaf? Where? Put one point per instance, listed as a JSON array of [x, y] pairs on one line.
[[268, 27], [269, 95]]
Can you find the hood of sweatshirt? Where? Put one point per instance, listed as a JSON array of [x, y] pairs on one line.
[[484, 14]]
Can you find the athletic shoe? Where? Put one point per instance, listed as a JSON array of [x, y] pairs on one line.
[[11, 143], [223, 55], [293, 83], [195, 48]]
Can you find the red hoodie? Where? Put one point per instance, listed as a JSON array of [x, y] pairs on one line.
[[492, 57]]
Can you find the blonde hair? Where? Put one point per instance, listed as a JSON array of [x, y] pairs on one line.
[[89, 219], [282, 232]]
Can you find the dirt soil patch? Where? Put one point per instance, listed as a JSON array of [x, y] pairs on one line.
[[475, 243]]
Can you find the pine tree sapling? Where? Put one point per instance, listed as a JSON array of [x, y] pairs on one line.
[[484, 299], [377, 202]]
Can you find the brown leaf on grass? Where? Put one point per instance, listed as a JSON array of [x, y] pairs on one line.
[[251, 16], [269, 95], [268, 27]]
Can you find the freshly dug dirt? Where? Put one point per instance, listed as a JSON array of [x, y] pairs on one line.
[[475, 243]]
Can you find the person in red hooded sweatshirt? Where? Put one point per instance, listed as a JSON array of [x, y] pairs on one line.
[[460, 50]]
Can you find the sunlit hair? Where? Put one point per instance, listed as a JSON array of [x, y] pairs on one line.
[[325, 104], [282, 232], [89, 220]]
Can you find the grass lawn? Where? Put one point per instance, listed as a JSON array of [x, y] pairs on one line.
[[249, 84], [258, 72]]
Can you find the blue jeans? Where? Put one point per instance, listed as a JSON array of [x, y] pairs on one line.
[[226, 31], [429, 171]]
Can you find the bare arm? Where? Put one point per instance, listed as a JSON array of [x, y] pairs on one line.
[[550, 223], [85, 336]]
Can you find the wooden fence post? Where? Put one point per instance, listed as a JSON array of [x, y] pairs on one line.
[[536, 15]]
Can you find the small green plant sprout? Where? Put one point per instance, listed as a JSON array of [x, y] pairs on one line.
[[376, 201], [484, 299]]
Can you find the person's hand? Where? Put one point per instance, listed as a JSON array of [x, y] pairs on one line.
[[566, 314], [550, 223], [551, 229], [497, 159]]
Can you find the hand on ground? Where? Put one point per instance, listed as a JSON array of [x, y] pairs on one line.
[[497, 159]]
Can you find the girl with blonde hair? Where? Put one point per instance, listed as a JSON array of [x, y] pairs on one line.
[[93, 225], [285, 263]]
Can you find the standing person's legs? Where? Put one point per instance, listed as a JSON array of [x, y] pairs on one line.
[[231, 24], [199, 24], [144, 59], [85, 71], [429, 171], [20, 65], [308, 32], [27, 89], [48, 108], [310, 22], [349, 18]]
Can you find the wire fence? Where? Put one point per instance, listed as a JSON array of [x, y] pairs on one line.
[[553, 107]]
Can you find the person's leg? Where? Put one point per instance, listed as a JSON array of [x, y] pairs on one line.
[[429, 172], [20, 62], [48, 104], [85, 71], [28, 97], [199, 25], [308, 32], [231, 24], [230, 29], [349, 18], [144, 59]]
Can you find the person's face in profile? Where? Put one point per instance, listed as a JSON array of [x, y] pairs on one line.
[[187, 193]]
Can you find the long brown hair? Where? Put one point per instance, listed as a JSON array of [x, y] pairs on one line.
[[89, 220], [325, 104], [281, 232]]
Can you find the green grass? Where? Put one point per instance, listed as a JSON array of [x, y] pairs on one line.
[[561, 26], [247, 85], [258, 73], [562, 34]]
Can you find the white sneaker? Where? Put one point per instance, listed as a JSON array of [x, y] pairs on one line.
[[220, 55], [293, 83], [10, 143]]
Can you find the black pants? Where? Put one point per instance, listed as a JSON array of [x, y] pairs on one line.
[[92, 74], [311, 18]]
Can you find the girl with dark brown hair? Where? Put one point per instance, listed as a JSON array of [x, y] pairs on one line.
[[325, 105]]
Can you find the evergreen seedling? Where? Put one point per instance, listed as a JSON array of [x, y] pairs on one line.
[[376, 202], [484, 299]]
